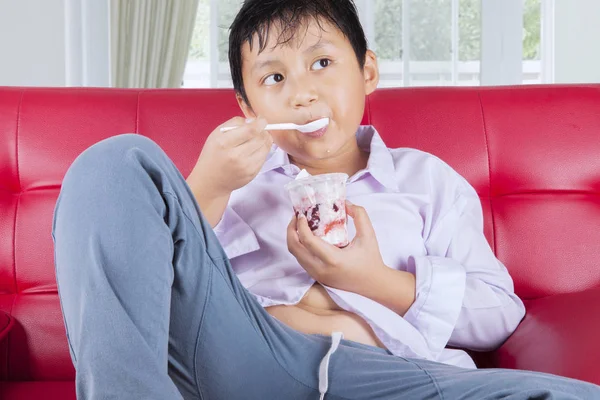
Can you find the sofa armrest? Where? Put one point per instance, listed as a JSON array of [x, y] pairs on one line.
[[559, 335], [6, 323]]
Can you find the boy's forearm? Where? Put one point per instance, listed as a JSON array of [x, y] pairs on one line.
[[212, 206], [391, 288]]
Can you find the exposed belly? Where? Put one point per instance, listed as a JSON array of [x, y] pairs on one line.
[[317, 313]]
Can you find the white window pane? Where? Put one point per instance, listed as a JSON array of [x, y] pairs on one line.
[[227, 12], [197, 68], [430, 30], [532, 29], [388, 29], [469, 25], [430, 43], [532, 22], [387, 42], [436, 29], [469, 43]]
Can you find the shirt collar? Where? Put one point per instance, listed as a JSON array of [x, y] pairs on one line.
[[276, 159], [380, 165]]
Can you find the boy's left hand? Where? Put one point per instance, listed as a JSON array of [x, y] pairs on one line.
[[350, 268]]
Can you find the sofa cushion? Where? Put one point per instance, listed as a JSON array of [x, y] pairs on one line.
[[53, 390], [6, 322], [559, 335]]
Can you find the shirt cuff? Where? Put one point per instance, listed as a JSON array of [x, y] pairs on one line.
[[236, 236], [440, 289]]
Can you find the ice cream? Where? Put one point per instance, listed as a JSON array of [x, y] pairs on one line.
[[322, 199]]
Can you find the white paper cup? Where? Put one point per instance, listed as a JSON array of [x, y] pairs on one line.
[[322, 199]]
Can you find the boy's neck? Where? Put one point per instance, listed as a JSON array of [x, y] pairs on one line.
[[349, 161]]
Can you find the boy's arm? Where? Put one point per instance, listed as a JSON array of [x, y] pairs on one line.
[[459, 294], [464, 295], [228, 161], [212, 206]]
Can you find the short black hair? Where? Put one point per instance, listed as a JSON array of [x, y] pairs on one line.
[[257, 17]]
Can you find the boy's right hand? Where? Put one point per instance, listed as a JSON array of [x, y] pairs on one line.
[[230, 160]]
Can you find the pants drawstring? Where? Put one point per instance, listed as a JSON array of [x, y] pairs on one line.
[[336, 338]]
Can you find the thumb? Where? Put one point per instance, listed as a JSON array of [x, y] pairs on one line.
[[362, 222], [258, 124]]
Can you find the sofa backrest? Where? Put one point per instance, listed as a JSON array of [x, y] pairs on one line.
[[532, 154]]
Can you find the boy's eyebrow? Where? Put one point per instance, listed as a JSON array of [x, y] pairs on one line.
[[264, 63], [317, 46]]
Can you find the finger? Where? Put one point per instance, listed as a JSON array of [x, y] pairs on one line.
[[262, 145], [292, 235], [255, 144], [235, 137], [234, 125], [315, 245], [234, 122], [256, 128], [362, 222], [243, 133], [309, 262], [252, 154], [293, 241], [258, 158]]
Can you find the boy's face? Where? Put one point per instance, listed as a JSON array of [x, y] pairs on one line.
[[313, 76]]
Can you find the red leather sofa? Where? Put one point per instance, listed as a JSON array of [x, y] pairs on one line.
[[532, 153]]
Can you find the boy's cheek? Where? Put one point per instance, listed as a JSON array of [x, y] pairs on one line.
[[279, 139]]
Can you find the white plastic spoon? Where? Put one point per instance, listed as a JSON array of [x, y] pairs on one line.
[[310, 127]]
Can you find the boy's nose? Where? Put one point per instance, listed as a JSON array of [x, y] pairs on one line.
[[304, 98], [304, 95]]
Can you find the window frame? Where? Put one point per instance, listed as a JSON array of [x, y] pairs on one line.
[[501, 61]]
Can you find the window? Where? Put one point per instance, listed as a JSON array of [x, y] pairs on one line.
[[418, 42], [208, 64], [425, 42], [532, 43]]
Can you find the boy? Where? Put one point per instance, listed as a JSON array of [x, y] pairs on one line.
[[213, 292]]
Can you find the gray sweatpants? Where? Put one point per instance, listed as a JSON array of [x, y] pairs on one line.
[[153, 309]]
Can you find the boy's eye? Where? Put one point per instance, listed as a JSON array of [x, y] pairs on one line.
[[273, 79], [322, 63]]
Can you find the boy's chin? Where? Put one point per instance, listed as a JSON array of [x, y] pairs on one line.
[[312, 157]]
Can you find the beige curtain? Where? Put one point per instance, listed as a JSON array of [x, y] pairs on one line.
[[150, 40]]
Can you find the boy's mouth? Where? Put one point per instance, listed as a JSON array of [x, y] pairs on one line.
[[317, 133]]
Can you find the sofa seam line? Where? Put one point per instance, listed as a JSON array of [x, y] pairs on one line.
[[17, 137], [14, 244], [489, 165], [8, 337]]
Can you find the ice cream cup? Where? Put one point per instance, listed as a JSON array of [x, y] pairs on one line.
[[322, 199]]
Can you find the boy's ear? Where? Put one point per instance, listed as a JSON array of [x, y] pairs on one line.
[[246, 109], [371, 72]]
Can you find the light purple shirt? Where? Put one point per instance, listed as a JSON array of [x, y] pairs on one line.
[[428, 221]]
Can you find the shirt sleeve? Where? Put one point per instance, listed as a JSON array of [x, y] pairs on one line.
[[235, 235], [464, 295]]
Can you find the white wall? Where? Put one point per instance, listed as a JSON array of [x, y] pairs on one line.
[[577, 41], [88, 42], [501, 42], [54, 43], [35, 52], [32, 43]]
